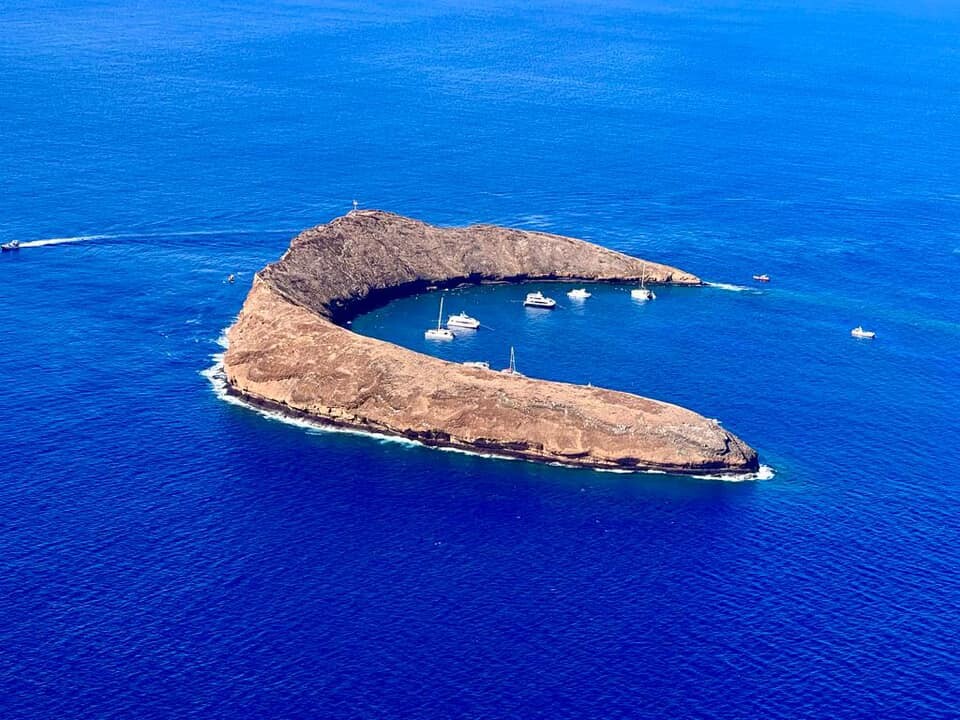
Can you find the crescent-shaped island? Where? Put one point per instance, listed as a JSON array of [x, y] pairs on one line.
[[289, 351]]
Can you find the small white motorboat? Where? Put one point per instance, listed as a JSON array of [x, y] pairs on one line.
[[643, 293], [477, 364], [578, 294], [512, 370], [12, 245], [462, 320], [539, 300], [762, 278], [859, 332], [439, 332]]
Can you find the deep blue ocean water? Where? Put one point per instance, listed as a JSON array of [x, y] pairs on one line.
[[166, 554]]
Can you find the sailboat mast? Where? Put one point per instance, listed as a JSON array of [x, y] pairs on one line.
[[440, 316], [643, 275]]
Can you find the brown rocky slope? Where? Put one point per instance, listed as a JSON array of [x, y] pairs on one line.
[[288, 352]]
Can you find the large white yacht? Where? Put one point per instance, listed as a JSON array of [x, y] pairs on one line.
[[539, 300], [462, 320]]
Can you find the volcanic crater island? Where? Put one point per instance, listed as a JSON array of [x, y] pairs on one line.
[[290, 350]]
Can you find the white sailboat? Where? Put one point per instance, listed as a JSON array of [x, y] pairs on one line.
[[512, 370], [439, 332], [643, 293]]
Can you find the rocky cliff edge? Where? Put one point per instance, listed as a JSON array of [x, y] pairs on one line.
[[289, 351]]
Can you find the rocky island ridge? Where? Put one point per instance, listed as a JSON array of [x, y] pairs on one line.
[[289, 351]]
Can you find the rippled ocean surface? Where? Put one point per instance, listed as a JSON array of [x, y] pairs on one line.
[[166, 554]]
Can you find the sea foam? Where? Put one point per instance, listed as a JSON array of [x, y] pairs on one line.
[[728, 286]]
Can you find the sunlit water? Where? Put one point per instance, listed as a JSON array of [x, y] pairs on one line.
[[166, 554]]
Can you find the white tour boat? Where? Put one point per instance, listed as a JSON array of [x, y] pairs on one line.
[[859, 332], [578, 294], [439, 332], [643, 293], [539, 300], [462, 320]]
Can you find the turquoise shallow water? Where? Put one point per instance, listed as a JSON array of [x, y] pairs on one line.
[[164, 553]]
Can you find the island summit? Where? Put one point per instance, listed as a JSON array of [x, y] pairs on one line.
[[289, 351]]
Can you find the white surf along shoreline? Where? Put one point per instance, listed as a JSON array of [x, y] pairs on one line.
[[218, 382]]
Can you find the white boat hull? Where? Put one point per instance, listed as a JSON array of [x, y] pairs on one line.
[[463, 324]]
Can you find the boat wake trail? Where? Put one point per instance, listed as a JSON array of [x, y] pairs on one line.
[[146, 235], [62, 240], [728, 286]]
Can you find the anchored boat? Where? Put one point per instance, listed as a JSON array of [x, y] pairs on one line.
[[439, 332], [539, 300], [462, 320], [859, 332], [578, 294], [512, 370], [643, 293]]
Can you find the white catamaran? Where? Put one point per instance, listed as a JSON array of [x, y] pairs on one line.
[[439, 332], [643, 293]]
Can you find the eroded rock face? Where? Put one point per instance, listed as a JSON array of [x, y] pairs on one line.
[[287, 352]]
